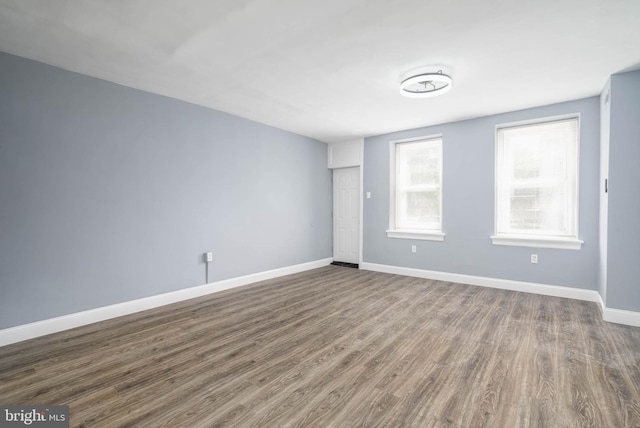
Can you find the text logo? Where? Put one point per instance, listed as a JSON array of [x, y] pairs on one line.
[[34, 416]]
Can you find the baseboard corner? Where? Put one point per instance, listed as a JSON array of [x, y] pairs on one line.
[[617, 316]]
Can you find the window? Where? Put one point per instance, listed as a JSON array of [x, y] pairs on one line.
[[416, 189], [537, 184]]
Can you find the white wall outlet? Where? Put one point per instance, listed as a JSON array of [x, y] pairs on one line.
[[208, 257], [413, 248], [534, 258], [368, 195]]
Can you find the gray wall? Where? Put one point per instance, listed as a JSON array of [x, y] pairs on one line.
[[623, 262], [109, 194], [468, 205]]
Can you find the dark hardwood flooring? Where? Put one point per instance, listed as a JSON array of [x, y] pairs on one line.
[[339, 347]]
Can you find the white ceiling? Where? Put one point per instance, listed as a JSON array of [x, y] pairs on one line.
[[330, 69]]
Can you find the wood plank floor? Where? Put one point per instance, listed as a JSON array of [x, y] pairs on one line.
[[339, 347]]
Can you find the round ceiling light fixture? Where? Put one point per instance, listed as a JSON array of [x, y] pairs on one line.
[[426, 85]]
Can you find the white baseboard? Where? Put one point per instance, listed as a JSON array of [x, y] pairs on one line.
[[65, 322], [617, 316], [600, 302], [503, 284], [620, 316]]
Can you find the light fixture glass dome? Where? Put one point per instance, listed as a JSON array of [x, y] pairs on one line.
[[426, 85]]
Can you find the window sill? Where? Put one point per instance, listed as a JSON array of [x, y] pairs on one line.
[[537, 242], [416, 234]]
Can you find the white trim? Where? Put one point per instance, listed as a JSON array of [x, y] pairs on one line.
[[537, 120], [359, 164], [424, 235], [503, 284], [602, 305], [620, 316], [537, 242], [393, 173], [362, 202], [65, 322], [617, 316], [501, 239], [418, 138]]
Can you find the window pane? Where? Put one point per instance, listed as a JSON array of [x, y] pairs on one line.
[[419, 210], [422, 165], [537, 209], [418, 163]]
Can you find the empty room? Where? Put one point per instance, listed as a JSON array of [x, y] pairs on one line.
[[277, 213]]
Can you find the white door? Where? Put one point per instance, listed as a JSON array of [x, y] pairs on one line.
[[346, 214]]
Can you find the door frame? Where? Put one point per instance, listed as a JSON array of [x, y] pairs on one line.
[[347, 154]]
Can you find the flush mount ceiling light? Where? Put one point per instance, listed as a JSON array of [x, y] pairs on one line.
[[426, 85]]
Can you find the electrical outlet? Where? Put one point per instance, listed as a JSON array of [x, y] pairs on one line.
[[413, 248], [208, 257], [368, 195], [534, 258]]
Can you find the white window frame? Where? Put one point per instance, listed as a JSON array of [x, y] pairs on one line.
[[421, 234], [538, 240]]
